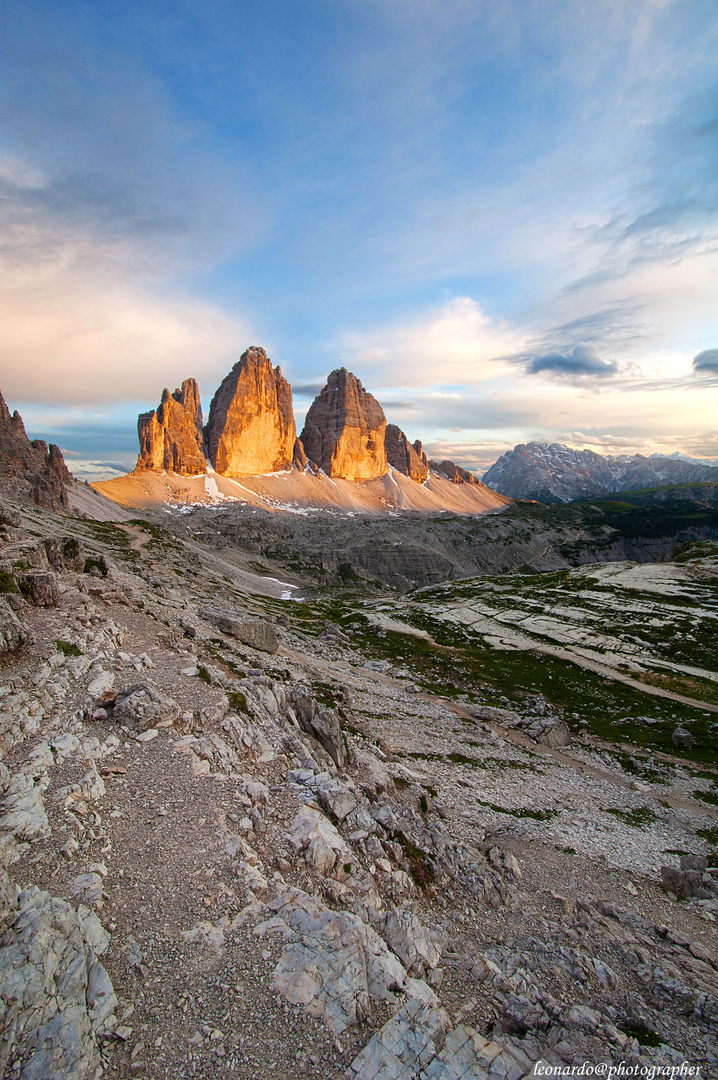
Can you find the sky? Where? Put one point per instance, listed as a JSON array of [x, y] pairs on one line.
[[502, 216]]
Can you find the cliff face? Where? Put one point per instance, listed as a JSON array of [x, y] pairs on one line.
[[30, 466], [171, 437], [454, 472], [345, 429], [251, 426], [405, 458]]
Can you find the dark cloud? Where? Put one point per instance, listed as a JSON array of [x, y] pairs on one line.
[[307, 389], [581, 360], [706, 361]]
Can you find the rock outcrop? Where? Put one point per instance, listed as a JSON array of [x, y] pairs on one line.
[[30, 466], [405, 458], [171, 437], [345, 429], [251, 426], [454, 472]]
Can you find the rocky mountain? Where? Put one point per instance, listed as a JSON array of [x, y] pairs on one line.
[[251, 426], [556, 473], [172, 438], [31, 467], [454, 472], [344, 430], [251, 431], [403, 456]]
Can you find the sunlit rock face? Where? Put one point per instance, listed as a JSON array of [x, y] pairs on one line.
[[251, 426], [171, 438], [403, 456], [345, 429]]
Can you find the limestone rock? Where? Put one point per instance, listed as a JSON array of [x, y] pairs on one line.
[[31, 468], [171, 437], [141, 707], [309, 825], [299, 458], [13, 632], [25, 816], [374, 777], [345, 429], [556, 734], [251, 426], [65, 553], [454, 472], [417, 946], [402, 456], [337, 966], [404, 1046], [57, 994], [257, 633], [40, 588]]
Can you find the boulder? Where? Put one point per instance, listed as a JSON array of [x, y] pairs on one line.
[[49, 958], [141, 707], [417, 946], [13, 632], [336, 967], [326, 729], [256, 633], [556, 735], [251, 426], [65, 553], [682, 738], [401, 455], [336, 798], [40, 588], [374, 777], [171, 437], [24, 810], [344, 430], [685, 883], [310, 824]]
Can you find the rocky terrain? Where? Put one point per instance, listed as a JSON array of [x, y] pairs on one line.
[[254, 827], [343, 545], [556, 473]]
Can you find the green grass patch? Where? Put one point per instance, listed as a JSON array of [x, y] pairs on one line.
[[237, 700], [636, 816], [95, 562], [7, 582], [68, 648], [421, 868]]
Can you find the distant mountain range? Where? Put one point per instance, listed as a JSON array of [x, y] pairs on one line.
[[555, 473]]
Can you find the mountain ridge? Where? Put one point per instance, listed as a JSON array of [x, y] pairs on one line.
[[543, 472]]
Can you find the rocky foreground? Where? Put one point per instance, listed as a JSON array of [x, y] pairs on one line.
[[237, 846]]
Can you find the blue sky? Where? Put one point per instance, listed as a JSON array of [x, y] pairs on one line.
[[501, 216]]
